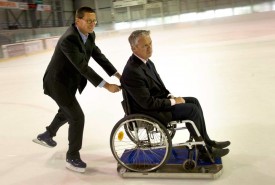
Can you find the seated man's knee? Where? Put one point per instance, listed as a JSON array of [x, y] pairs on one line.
[[194, 100]]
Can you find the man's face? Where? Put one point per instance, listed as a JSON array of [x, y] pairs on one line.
[[143, 48], [87, 23]]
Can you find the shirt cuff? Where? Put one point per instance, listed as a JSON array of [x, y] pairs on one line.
[[102, 83], [173, 102], [170, 96], [114, 73]]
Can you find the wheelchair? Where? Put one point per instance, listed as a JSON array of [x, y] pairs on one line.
[[143, 147]]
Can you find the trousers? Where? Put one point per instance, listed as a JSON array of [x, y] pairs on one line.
[[191, 110], [73, 114]]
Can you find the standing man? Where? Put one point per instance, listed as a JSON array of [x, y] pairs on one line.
[[67, 72], [149, 95]]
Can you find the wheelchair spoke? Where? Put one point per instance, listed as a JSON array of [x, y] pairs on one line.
[[140, 143]]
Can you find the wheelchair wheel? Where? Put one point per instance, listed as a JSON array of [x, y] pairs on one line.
[[140, 143], [129, 127]]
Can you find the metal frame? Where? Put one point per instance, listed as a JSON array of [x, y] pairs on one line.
[[170, 170]]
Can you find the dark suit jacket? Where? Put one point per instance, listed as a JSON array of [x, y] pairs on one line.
[[147, 94], [68, 69]]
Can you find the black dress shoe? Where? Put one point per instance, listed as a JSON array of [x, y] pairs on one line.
[[220, 145], [214, 152], [219, 152]]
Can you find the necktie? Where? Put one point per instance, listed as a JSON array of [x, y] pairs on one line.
[[149, 66], [152, 70]]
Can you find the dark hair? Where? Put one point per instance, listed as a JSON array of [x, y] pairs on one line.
[[81, 11]]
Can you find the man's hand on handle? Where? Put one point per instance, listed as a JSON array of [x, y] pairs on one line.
[[112, 87]]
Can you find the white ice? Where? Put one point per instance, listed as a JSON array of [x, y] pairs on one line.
[[227, 63]]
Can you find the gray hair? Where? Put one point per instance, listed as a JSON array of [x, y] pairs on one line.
[[133, 38]]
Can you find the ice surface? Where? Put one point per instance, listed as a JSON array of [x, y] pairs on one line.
[[227, 63]]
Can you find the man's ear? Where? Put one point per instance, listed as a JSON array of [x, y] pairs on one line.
[[76, 20]]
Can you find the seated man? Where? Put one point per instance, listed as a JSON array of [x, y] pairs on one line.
[[148, 94]]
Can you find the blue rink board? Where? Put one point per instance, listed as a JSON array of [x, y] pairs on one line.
[[178, 156]]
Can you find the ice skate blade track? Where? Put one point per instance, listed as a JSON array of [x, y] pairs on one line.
[[71, 167], [41, 143]]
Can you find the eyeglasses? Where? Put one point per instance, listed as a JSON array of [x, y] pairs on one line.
[[89, 21]]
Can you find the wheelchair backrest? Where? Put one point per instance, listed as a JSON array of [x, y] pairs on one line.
[[125, 102]]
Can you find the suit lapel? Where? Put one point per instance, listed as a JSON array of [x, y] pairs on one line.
[[148, 72], [80, 39], [89, 45]]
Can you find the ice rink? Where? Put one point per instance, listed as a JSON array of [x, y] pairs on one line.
[[227, 63]]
